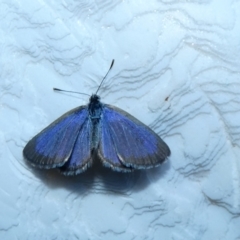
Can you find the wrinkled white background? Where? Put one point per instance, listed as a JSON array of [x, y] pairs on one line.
[[176, 69]]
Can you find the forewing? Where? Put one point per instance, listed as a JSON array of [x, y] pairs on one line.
[[53, 146], [127, 141]]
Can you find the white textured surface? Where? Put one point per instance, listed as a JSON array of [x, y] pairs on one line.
[[177, 69]]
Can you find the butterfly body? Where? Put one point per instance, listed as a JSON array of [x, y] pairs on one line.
[[118, 139], [95, 112]]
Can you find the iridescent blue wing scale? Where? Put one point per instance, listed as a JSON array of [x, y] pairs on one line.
[[55, 144], [127, 144]]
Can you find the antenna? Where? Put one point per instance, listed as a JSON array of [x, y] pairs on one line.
[[105, 76], [60, 90]]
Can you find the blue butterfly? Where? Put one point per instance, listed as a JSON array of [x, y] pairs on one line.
[[96, 130]]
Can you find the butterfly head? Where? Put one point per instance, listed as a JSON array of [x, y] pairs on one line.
[[94, 99]]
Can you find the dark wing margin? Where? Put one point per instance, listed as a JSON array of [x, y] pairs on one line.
[[127, 144], [53, 146]]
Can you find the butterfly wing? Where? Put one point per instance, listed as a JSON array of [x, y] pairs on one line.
[[55, 144], [80, 158], [126, 143]]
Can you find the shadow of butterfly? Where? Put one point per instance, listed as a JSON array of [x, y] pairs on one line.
[[119, 140]]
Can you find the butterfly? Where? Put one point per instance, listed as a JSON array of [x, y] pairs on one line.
[[96, 130]]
